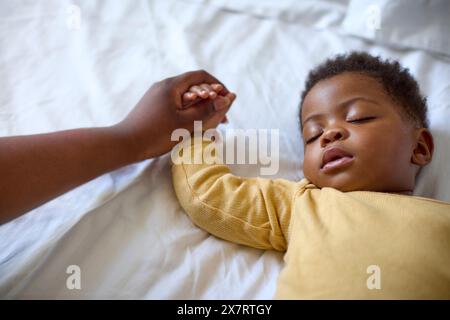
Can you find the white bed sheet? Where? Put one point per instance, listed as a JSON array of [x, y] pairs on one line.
[[125, 229]]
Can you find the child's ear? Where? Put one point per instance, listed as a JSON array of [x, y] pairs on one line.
[[423, 151]]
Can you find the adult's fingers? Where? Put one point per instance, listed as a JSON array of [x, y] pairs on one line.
[[199, 111], [224, 120], [217, 117], [223, 102]]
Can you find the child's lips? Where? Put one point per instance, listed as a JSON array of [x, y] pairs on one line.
[[334, 158], [338, 163]]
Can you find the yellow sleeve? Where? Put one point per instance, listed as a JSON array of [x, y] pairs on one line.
[[252, 211]]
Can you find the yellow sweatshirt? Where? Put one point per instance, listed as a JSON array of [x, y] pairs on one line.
[[339, 245]]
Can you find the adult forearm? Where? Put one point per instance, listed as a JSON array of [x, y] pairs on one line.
[[37, 168]]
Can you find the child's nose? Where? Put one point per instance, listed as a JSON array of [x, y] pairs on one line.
[[332, 135]]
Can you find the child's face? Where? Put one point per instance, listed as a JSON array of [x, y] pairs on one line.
[[380, 146]]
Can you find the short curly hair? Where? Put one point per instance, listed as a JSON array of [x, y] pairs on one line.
[[396, 80]]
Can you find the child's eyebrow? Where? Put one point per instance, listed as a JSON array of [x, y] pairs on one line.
[[344, 104]]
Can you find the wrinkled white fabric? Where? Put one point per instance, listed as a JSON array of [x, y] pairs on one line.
[[125, 230]]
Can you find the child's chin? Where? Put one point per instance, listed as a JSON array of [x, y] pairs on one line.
[[342, 183]]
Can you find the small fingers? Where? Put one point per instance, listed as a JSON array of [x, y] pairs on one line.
[[211, 93], [203, 91], [217, 87], [189, 96], [184, 81], [199, 91]]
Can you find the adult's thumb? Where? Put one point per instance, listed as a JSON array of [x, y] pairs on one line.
[[199, 111], [221, 106]]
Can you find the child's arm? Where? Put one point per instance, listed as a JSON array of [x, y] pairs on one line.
[[37, 168], [250, 211]]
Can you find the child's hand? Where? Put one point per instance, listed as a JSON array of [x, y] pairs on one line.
[[202, 91], [205, 91], [171, 104]]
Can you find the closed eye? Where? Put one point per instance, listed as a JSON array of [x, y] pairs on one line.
[[312, 139], [356, 121], [361, 120]]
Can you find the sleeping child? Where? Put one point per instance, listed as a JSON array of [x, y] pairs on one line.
[[351, 229]]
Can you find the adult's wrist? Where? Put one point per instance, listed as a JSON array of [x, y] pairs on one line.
[[127, 143]]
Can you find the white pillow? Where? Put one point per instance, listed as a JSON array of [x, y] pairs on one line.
[[418, 24]]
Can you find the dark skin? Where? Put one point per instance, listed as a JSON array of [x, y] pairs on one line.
[[357, 115], [37, 168]]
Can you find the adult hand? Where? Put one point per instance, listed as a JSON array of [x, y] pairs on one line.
[[164, 108]]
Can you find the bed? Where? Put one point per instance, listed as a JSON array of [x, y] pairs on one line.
[[69, 64]]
